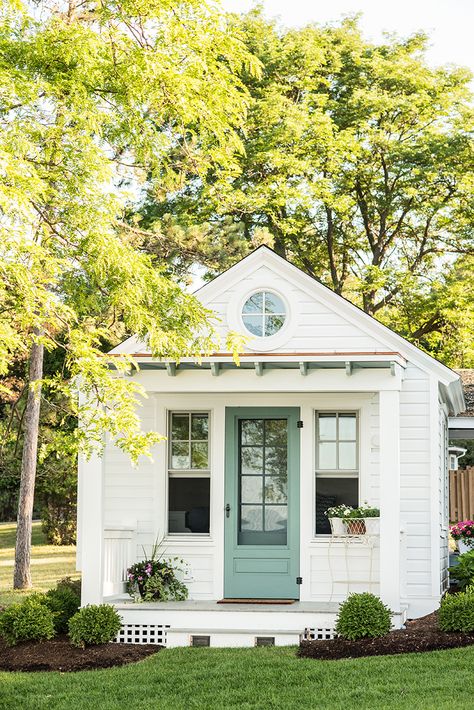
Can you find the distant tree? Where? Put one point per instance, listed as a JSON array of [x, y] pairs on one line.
[[99, 99], [358, 167]]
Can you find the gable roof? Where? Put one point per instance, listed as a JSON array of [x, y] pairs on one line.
[[264, 256], [449, 381]]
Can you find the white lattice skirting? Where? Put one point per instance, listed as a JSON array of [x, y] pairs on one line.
[[142, 633], [319, 634]]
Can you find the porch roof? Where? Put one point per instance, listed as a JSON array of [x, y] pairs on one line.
[[348, 361]]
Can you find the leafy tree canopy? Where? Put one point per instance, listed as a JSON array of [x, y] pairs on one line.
[[100, 100], [357, 167]]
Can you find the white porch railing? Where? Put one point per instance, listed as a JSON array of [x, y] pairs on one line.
[[119, 554]]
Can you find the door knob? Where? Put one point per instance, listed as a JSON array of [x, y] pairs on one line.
[[227, 510]]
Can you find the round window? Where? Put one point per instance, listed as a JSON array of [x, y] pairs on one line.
[[263, 314]]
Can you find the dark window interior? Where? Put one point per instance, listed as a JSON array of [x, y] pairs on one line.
[[189, 505], [331, 492]]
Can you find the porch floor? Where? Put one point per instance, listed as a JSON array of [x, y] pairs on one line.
[[213, 605]]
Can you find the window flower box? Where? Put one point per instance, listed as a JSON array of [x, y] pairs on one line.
[[346, 520]]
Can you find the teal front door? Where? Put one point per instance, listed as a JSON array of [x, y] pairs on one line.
[[262, 503]]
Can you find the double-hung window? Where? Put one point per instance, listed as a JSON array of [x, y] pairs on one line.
[[188, 473], [337, 463]]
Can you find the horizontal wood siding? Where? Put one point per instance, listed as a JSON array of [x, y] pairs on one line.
[[313, 327], [415, 481]]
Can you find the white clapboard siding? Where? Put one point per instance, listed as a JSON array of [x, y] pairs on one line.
[[319, 328], [415, 482]]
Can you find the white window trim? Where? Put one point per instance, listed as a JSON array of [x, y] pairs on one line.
[[170, 537], [335, 473]]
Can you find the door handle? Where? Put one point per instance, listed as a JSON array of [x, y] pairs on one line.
[[227, 510]]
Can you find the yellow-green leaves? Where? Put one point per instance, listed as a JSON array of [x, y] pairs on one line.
[[97, 103]]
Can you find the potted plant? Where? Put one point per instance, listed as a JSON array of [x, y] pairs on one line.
[[463, 533], [154, 578], [371, 518], [337, 515]]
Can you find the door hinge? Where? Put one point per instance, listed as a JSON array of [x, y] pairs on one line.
[[299, 424], [299, 580]]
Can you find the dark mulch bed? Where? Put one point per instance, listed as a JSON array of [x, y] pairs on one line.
[[420, 635], [59, 655]]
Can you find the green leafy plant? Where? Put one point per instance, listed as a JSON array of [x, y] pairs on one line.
[[363, 616], [154, 578], [463, 572], [366, 511], [94, 624], [456, 612], [29, 620], [64, 602]]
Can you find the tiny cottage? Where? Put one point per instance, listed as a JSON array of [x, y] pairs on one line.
[[328, 409]]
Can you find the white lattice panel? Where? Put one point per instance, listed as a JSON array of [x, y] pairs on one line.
[[142, 633], [319, 634]]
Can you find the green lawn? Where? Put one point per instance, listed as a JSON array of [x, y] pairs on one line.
[[49, 563], [263, 678]]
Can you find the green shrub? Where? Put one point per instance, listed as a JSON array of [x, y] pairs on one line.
[[463, 572], [363, 616], [64, 603], [94, 624], [73, 584], [456, 612], [29, 620]]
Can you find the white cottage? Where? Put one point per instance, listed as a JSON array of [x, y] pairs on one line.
[[327, 407]]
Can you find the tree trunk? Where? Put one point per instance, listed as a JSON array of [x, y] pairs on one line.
[[22, 573]]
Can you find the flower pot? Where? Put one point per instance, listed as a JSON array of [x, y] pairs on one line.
[[356, 526], [337, 526], [372, 526], [465, 545]]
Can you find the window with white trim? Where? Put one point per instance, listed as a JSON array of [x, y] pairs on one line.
[[337, 463], [188, 473]]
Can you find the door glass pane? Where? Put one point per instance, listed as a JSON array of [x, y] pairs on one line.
[[251, 460], [327, 427], [263, 478], [327, 455], [251, 489], [347, 455], [251, 431], [276, 518], [251, 518], [275, 489], [180, 454], [347, 426], [275, 461], [199, 457], [180, 426], [275, 432]]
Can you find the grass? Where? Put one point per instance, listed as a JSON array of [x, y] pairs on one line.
[[214, 679], [257, 678], [49, 563]]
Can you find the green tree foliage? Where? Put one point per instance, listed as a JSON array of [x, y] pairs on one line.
[[99, 99], [358, 168]]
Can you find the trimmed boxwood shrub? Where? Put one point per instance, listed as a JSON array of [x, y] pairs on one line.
[[29, 620], [363, 616], [456, 612], [94, 624], [64, 603]]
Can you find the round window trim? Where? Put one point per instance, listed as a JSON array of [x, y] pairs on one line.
[[264, 321]]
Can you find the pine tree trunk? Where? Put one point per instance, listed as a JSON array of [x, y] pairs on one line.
[[22, 573]]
